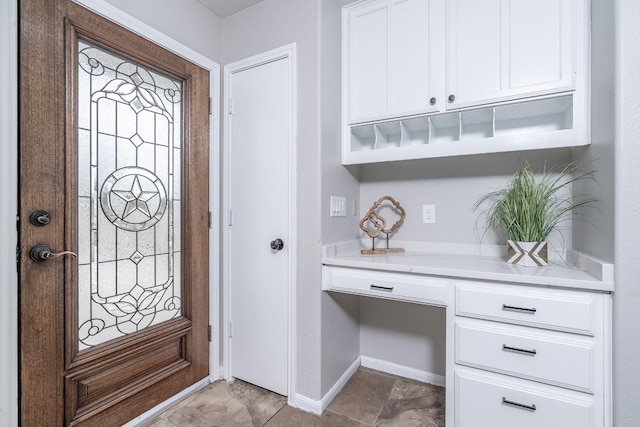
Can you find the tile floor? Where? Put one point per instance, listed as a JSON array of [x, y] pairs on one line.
[[370, 398]]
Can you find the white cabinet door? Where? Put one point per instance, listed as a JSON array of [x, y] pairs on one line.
[[504, 49], [367, 62], [389, 57]]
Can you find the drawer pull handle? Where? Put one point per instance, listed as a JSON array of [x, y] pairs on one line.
[[381, 288], [519, 350], [531, 407], [518, 309]]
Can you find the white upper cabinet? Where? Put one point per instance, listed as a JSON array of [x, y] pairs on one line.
[[392, 49], [436, 78], [505, 49]]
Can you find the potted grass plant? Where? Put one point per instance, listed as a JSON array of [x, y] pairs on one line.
[[530, 207]]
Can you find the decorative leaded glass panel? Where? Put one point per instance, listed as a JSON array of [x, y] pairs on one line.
[[129, 157]]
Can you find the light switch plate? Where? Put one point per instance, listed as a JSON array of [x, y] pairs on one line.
[[338, 206]]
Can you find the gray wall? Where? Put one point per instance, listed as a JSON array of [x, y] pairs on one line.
[[453, 185], [593, 230], [406, 334], [186, 21], [336, 179], [340, 344], [8, 209], [626, 299], [265, 26]]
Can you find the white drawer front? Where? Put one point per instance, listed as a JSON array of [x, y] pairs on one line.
[[555, 358], [557, 309], [379, 284], [490, 400]]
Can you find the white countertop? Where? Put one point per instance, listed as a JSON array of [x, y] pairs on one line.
[[473, 262]]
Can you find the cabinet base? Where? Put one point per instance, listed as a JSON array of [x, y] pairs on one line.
[[382, 251]]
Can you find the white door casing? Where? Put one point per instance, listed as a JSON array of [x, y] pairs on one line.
[[259, 171]]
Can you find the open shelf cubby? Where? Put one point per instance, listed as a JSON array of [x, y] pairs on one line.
[[481, 125]]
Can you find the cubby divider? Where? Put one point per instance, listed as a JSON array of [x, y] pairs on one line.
[[477, 124], [415, 131], [445, 128], [362, 138], [388, 134]]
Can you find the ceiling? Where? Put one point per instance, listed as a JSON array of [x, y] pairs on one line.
[[224, 8]]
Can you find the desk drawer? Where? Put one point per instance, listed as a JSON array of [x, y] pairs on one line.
[[490, 400], [380, 284], [557, 309], [554, 358]]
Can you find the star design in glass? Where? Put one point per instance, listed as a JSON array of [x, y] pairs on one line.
[[136, 198]]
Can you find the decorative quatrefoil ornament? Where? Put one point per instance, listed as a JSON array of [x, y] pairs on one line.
[[373, 224], [376, 221]]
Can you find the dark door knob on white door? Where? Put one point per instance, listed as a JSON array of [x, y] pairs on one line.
[[277, 244]]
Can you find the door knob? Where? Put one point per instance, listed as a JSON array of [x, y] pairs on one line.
[[277, 244], [41, 253], [452, 98], [40, 218], [432, 101]]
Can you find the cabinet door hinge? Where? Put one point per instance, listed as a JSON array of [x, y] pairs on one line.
[[230, 106], [210, 220], [230, 329], [209, 333], [210, 106]]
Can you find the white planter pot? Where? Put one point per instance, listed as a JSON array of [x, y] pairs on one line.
[[527, 253]]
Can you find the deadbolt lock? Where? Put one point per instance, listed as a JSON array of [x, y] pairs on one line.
[[40, 218]]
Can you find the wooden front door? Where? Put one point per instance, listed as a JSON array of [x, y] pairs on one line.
[[114, 138]]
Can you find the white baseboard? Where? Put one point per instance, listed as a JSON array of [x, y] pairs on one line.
[[168, 403], [402, 371], [318, 406], [306, 404]]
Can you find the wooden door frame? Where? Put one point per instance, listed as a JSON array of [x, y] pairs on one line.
[[117, 16], [289, 52]]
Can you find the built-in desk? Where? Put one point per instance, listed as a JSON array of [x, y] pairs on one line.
[[525, 346]]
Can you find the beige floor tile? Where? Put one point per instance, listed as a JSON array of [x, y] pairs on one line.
[[218, 405], [363, 396], [292, 417], [413, 403], [157, 423], [262, 404], [369, 398], [217, 408]]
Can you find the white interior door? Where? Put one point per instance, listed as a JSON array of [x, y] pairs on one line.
[[259, 203]]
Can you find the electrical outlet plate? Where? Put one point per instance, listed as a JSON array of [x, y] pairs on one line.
[[428, 214]]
